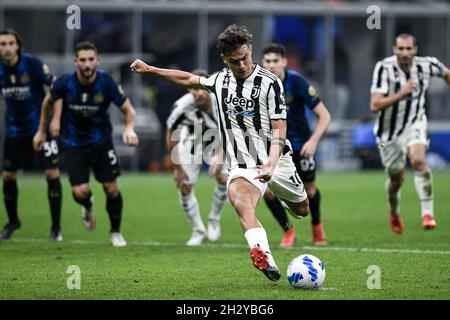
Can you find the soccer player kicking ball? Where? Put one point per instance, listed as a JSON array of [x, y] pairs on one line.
[[22, 82], [252, 125], [399, 86], [84, 96], [192, 116]]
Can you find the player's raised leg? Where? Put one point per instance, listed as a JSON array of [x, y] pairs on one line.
[[276, 208], [319, 237], [244, 197], [82, 195]]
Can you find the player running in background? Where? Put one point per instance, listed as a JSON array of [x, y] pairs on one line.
[[22, 82], [299, 95], [399, 86], [192, 115], [252, 125], [84, 96]]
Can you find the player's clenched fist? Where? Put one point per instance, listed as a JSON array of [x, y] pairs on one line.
[[139, 66]]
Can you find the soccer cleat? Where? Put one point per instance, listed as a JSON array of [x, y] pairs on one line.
[[117, 239], [288, 239], [213, 231], [428, 222], [260, 260], [196, 238], [396, 223], [319, 237], [88, 217], [56, 236], [8, 230]]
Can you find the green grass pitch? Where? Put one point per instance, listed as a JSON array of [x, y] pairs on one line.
[[156, 264]]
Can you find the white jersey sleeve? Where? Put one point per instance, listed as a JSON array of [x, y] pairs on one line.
[[209, 83], [380, 79], [276, 102], [437, 68]]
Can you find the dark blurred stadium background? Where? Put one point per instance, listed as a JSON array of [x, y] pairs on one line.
[[328, 42]]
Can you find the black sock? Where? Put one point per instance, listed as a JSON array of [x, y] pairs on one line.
[[279, 213], [10, 194], [314, 206], [55, 199], [114, 208], [87, 203]]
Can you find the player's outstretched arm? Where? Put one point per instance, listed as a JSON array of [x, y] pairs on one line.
[[129, 136], [323, 120], [181, 78], [39, 137]]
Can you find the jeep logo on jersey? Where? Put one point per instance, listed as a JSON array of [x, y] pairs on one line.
[[240, 102]]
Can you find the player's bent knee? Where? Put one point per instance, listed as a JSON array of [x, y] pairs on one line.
[[51, 174], [186, 189], [81, 192], [222, 179], [9, 175]]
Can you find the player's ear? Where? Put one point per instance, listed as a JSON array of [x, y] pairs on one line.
[[223, 59]]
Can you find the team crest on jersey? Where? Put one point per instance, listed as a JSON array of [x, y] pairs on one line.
[[25, 78], [288, 98], [256, 90], [226, 81], [98, 98], [45, 69], [312, 91], [282, 98], [84, 97]]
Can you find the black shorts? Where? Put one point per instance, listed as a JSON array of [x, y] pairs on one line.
[[18, 153], [102, 159], [306, 167]]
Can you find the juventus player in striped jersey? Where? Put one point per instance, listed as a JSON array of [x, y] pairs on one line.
[[252, 125], [398, 93], [192, 115]]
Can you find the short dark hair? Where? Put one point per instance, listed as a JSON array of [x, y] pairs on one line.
[[85, 45], [232, 38], [275, 48], [405, 36], [200, 72], [16, 35]]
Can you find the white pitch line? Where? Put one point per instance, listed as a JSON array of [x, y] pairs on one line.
[[236, 245]]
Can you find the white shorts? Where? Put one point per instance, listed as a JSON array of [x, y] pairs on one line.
[[393, 153], [193, 170], [285, 183]]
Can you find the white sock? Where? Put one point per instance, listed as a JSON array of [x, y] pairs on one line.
[[393, 197], [258, 237], [424, 187], [192, 211], [220, 198]]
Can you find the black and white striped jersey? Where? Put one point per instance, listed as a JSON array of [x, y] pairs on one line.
[[192, 123], [245, 110], [388, 79]]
